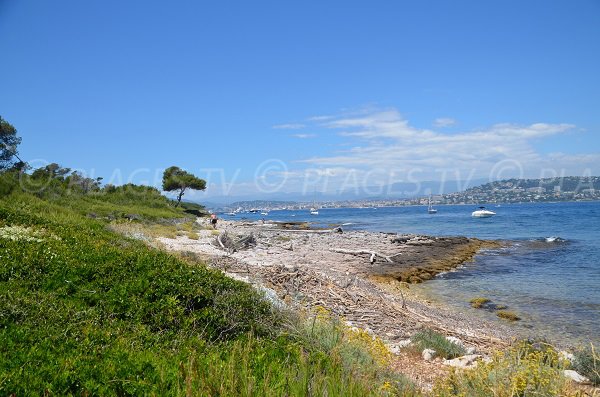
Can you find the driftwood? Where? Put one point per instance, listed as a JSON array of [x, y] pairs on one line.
[[232, 245], [308, 231], [362, 252]]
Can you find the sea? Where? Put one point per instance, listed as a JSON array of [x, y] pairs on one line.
[[548, 272]]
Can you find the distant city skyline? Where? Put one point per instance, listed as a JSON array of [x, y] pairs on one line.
[[272, 98]]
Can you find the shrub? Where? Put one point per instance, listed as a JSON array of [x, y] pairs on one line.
[[429, 339], [587, 363], [523, 370], [87, 311]]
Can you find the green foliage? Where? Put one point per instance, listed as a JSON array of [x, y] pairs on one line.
[[176, 179], [86, 311], [8, 144], [525, 370], [587, 363], [429, 339], [9, 181]]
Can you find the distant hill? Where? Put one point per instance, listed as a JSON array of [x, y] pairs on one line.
[[569, 188]]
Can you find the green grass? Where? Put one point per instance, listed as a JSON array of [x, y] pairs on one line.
[[429, 339], [587, 363], [87, 311]]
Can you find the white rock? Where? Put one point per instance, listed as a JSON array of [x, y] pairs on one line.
[[566, 356], [428, 354], [394, 350], [470, 350], [468, 361], [455, 340], [575, 377], [404, 343]]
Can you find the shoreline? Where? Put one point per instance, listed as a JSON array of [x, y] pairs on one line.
[[342, 261], [359, 276]]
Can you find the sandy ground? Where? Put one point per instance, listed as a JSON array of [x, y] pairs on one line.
[[361, 276]]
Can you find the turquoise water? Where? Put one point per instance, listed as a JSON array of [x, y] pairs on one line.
[[553, 285]]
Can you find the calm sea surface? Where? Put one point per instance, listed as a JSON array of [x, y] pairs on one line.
[[553, 284]]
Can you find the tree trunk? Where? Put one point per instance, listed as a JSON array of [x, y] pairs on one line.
[[179, 196]]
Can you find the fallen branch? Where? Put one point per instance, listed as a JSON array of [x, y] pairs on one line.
[[362, 252]]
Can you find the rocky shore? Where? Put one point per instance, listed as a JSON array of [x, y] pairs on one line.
[[363, 277]]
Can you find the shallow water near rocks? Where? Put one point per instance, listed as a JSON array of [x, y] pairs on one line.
[[552, 283]]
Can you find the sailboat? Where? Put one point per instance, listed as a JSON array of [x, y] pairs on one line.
[[430, 209]]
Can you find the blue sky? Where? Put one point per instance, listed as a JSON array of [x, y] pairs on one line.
[[298, 96]]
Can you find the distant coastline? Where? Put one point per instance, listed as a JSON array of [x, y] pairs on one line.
[[509, 191]]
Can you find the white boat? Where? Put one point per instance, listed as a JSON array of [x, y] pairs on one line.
[[264, 213], [482, 213], [430, 209], [313, 209]]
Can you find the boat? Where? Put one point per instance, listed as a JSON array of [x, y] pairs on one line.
[[264, 212], [482, 213], [430, 209], [313, 209]]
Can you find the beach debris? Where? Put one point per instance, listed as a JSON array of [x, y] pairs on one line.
[[465, 362], [232, 244], [373, 254], [575, 376], [428, 354]]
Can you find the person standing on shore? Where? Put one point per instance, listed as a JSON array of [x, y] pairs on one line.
[[213, 220]]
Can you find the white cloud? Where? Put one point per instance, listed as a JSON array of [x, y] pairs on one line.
[[444, 122], [291, 126], [383, 139], [304, 136]]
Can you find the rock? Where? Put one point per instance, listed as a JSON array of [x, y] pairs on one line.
[[468, 361], [404, 343], [575, 376], [428, 354], [566, 356], [471, 350], [394, 350], [455, 340]]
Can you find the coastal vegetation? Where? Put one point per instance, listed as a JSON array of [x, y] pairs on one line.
[[177, 180], [429, 339], [587, 363], [86, 310], [526, 369]]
